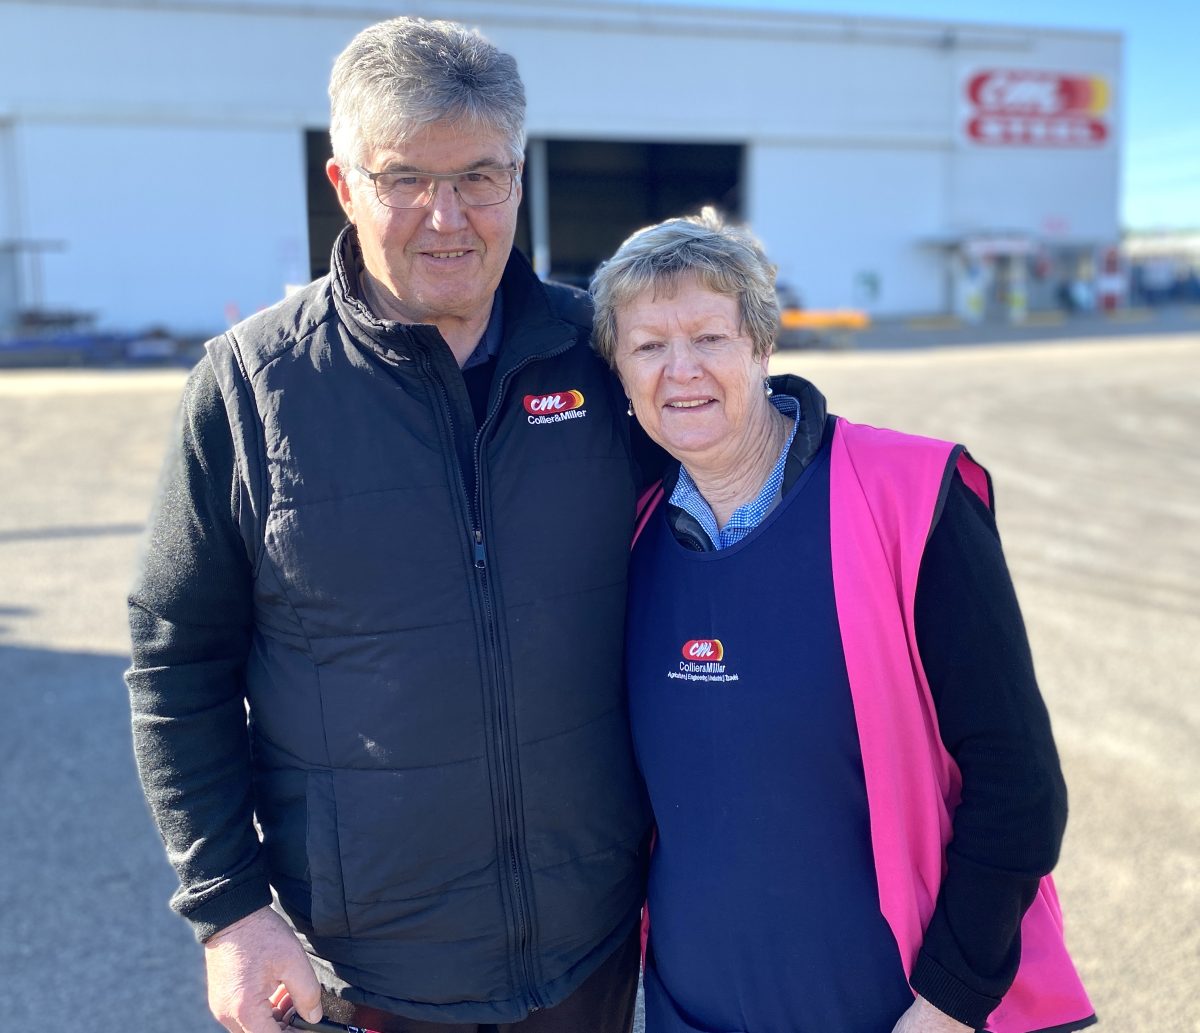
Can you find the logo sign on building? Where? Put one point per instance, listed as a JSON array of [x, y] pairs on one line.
[[1023, 107]]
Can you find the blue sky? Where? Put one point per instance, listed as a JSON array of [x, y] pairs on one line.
[[1161, 102]]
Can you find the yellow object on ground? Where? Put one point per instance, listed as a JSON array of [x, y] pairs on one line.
[[823, 319]]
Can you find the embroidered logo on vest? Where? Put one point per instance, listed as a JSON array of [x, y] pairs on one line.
[[704, 649], [554, 407], [702, 661]]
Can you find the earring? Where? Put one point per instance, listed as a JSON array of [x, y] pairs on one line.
[[629, 411], [767, 386]]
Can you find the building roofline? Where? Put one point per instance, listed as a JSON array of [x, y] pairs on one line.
[[632, 14]]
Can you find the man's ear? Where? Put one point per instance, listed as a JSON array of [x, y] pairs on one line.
[[341, 186]]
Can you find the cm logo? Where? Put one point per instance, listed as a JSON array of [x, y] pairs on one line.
[[556, 401], [704, 649]]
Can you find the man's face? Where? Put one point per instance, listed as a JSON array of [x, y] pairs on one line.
[[444, 261]]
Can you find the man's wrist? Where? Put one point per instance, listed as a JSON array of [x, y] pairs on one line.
[[223, 909], [255, 918]]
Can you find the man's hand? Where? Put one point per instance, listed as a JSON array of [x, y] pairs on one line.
[[247, 963], [923, 1017]]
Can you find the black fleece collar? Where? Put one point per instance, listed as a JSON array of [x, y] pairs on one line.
[[531, 326]]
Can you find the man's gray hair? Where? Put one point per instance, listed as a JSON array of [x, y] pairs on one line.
[[400, 75], [724, 259]]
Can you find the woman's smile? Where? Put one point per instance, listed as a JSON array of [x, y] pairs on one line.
[[689, 370]]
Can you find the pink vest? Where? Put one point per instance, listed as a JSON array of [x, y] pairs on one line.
[[883, 490]]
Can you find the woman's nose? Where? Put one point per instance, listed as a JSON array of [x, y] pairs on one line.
[[681, 361]]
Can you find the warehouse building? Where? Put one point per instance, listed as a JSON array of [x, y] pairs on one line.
[[161, 161]]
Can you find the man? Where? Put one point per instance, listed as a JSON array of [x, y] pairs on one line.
[[394, 530]]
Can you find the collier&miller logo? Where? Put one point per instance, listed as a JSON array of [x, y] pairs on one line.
[[1022, 107], [704, 649], [554, 407], [702, 661]]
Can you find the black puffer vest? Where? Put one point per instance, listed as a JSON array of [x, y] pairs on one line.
[[444, 777]]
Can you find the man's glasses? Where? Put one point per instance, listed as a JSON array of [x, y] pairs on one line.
[[477, 188]]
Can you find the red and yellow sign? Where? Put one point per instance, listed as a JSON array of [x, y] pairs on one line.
[[1022, 107]]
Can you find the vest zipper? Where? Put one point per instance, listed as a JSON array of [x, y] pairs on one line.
[[508, 794], [505, 748], [508, 791]]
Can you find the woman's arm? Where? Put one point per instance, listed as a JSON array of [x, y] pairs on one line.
[[1009, 825]]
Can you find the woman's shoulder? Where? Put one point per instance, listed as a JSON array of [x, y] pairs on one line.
[[866, 437]]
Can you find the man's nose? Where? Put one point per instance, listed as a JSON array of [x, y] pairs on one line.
[[446, 210]]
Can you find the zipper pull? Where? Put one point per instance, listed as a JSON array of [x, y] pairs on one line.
[[480, 560]]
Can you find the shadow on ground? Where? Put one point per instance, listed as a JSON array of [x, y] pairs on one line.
[[88, 940]]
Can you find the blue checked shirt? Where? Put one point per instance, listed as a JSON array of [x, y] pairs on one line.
[[747, 517]]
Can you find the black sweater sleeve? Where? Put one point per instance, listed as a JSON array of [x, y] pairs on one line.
[[190, 616], [1009, 825]]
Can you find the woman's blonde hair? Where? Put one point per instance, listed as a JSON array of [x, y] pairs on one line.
[[724, 259]]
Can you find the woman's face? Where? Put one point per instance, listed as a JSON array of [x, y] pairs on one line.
[[689, 369]]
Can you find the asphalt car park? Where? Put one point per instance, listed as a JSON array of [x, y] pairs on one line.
[[1091, 444]]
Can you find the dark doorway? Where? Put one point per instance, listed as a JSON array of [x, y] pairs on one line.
[[325, 215], [599, 193]]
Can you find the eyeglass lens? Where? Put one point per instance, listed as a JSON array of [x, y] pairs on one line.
[[477, 188]]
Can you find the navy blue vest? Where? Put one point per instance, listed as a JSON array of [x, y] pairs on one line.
[[763, 902]]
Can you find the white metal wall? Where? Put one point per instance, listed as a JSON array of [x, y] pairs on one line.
[[188, 226], [831, 218], [164, 141]]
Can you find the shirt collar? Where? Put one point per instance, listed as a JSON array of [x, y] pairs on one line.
[[354, 271], [749, 515], [489, 344]]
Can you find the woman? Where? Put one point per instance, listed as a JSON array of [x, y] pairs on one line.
[[825, 655]]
